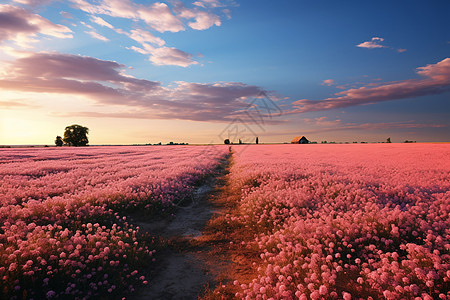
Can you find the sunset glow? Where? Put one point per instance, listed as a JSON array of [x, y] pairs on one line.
[[139, 71]]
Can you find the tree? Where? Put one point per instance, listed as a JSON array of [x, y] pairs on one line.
[[226, 141], [58, 141], [388, 140], [76, 135]]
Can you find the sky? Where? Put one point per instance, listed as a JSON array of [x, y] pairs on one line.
[[201, 71]]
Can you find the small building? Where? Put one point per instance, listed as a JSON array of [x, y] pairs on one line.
[[300, 140]]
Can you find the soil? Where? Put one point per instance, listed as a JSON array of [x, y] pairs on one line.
[[184, 268]]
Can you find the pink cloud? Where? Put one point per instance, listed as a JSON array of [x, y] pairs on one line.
[[13, 21], [71, 74], [171, 56], [220, 93], [114, 8], [164, 56], [328, 82], [323, 124], [208, 3], [227, 13], [33, 2], [142, 37], [202, 20], [59, 65], [87, 25], [375, 42], [439, 72], [21, 26], [86, 6], [97, 36], [160, 18], [339, 125], [436, 81], [119, 8], [66, 15], [105, 83], [13, 104], [139, 50], [157, 15], [101, 22]]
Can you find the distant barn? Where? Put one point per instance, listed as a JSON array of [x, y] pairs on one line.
[[300, 140]]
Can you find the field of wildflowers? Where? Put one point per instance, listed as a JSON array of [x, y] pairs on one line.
[[63, 226], [342, 221]]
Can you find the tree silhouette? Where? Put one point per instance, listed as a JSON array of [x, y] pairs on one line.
[[76, 135], [58, 142]]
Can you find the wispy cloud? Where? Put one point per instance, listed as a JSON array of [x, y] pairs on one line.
[[14, 104], [171, 56], [164, 56], [436, 81], [114, 8], [214, 3], [66, 15], [323, 124], [202, 19], [159, 55], [106, 83], [209, 3], [158, 17], [375, 42], [101, 22], [97, 36], [22, 27], [143, 37], [33, 2], [328, 82]]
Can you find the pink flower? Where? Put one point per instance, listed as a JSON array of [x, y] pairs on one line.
[[346, 296], [12, 267], [51, 294]]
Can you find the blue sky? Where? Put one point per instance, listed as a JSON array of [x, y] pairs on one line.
[[148, 71]]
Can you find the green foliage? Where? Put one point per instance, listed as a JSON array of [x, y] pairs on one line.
[[76, 135], [58, 142]]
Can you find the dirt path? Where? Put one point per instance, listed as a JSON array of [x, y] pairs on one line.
[[184, 268]]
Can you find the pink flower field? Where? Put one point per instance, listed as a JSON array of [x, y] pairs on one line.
[[359, 221], [343, 221], [64, 233]]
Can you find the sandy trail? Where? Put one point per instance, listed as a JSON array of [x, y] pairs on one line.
[[184, 269]]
